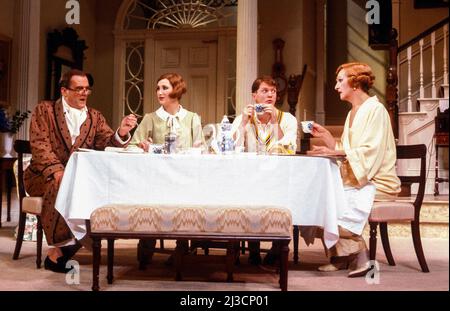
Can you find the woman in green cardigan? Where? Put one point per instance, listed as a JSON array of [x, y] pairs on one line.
[[170, 117]]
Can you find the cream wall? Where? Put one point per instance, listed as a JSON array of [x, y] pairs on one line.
[[336, 45], [7, 18], [53, 14], [415, 21], [106, 11], [97, 18], [358, 38], [281, 19], [347, 41]]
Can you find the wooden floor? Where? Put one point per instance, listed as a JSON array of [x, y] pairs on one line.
[[208, 273]]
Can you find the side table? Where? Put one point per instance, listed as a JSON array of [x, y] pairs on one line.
[[6, 172]]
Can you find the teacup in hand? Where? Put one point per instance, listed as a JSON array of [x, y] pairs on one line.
[[259, 108], [307, 126]]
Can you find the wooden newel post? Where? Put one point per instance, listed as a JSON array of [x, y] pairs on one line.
[[293, 90], [392, 82], [294, 85]]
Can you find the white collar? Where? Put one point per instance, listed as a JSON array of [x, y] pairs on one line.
[[68, 108], [164, 115], [172, 121]]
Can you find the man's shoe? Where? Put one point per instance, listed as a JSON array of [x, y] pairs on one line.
[[70, 251], [59, 266]]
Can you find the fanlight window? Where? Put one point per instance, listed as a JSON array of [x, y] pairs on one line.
[[155, 14]]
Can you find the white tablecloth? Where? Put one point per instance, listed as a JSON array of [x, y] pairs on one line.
[[310, 187]]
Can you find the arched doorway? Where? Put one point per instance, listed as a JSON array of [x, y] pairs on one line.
[[194, 38]]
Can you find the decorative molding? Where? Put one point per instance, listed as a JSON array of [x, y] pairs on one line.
[[428, 104], [422, 127], [170, 14], [405, 118]]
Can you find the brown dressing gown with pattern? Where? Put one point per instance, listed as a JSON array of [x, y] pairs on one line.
[[51, 147]]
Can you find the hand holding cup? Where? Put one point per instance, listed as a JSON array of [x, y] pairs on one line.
[[307, 126]]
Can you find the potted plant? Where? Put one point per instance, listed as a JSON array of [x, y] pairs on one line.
[[9, 126]]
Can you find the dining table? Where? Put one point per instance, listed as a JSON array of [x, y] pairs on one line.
[[309, 186]]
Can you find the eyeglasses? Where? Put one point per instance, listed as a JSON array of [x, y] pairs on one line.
[[267, 91], [80, 90]]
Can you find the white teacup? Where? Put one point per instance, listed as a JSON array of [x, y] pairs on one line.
[[307, 126], [259, 109]]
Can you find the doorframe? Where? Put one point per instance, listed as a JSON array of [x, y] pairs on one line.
[[149, 37]]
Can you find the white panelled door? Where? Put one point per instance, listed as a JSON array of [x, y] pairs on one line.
[[196, 61]]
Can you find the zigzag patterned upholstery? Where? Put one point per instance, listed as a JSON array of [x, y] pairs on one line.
[[230, 224], [264, 220]]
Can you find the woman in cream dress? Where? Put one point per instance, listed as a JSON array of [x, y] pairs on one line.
[[170, 117], [368, 145]]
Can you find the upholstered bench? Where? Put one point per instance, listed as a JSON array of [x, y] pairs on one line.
[[230, 224]]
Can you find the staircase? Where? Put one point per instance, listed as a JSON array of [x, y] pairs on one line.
[[417, 122], [423, 88]]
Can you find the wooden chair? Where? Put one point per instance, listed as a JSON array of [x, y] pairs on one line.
[[30, 205], [388, 211], [396, 211]]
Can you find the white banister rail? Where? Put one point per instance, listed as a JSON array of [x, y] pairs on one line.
[[423, 68]]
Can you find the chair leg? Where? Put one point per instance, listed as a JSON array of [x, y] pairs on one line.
[[415, 229], [110, 274], [284, 255], [96, 257], [385, 242], [243, 248], [180, 250], [296, 235], [230, 260], [161, 244], [39, 242], [20, 232], [373, 240]]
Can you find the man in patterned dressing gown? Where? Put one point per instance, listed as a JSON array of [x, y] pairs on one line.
[[57, 130]]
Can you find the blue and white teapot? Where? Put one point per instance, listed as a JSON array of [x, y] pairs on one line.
[[222, 141]]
